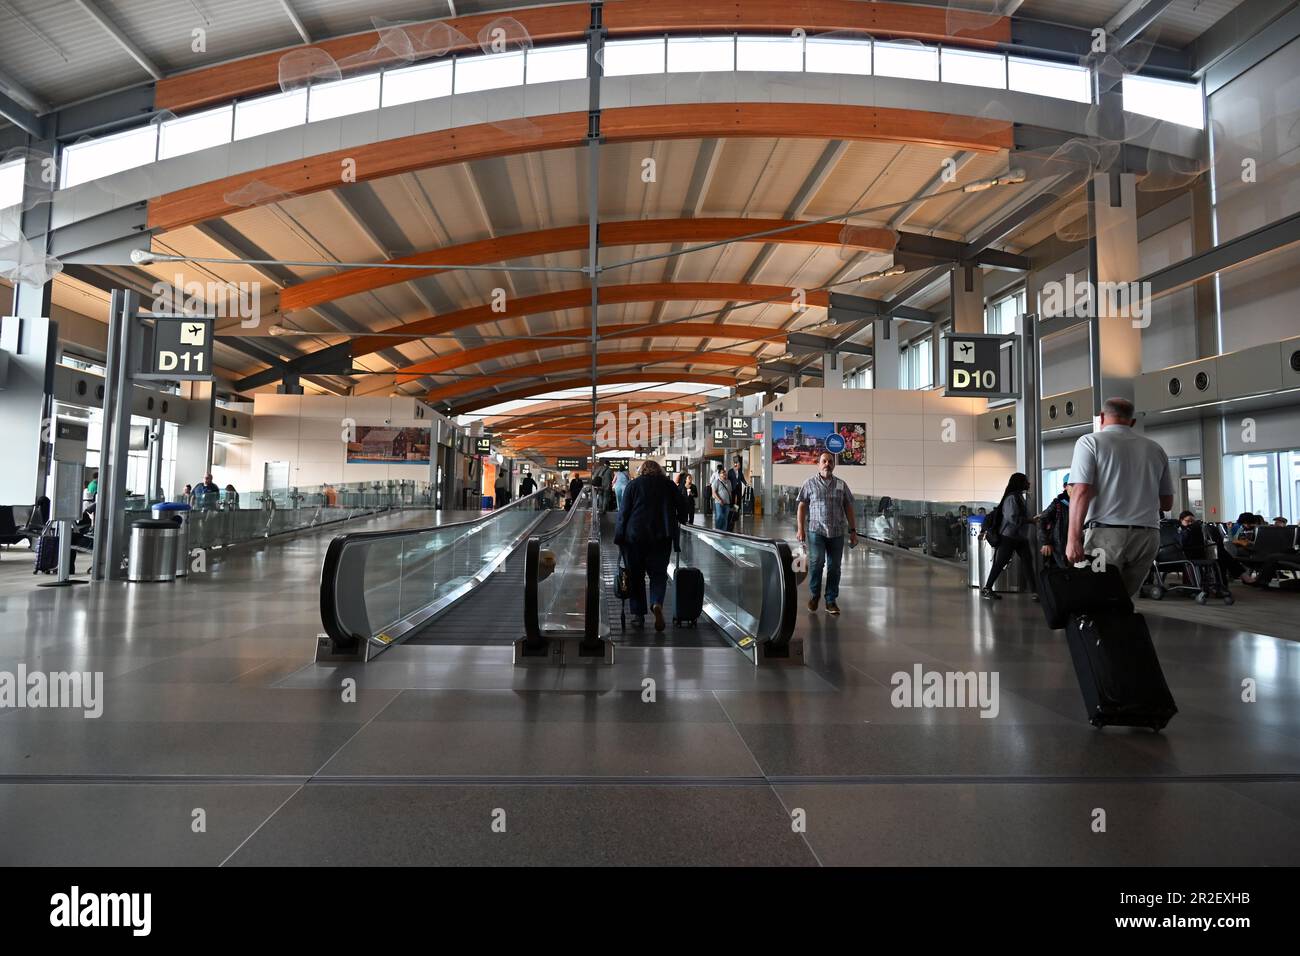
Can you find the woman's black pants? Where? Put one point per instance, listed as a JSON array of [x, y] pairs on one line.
[[1002, 555]]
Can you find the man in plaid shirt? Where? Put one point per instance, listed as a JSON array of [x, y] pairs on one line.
[[825, 513]]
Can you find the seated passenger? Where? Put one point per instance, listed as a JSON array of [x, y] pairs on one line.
[[1280, 522]]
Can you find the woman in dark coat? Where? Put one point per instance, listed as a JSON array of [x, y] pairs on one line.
[[648, 532], [1017, 532]]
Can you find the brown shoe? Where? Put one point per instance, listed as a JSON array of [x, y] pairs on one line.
[[812, 603], [658, 611], [832, 608]]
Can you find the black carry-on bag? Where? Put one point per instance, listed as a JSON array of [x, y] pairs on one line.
[[688, 594], [1065, 592], [47, 550], [1114, 660], [622, 590]]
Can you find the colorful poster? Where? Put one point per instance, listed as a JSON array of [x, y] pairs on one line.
[[854, 437], [799, 443], [386, 445]]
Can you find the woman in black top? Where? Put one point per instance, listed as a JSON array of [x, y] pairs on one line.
[[692, 495], [1016, 531]]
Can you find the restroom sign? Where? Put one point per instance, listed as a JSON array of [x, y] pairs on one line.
[[974, 364], [741, 426], [181, 350]]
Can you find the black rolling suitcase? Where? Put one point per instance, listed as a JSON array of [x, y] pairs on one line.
[[1114, 660], [1119, 672], [47, 550], [688, 594]]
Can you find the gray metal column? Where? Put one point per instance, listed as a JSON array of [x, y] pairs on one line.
[[832, 370], [595, 71], [26, 419], [1113, 262], [32, 299], [110, 502], [966, 292], [884, 361], [1029, 439]]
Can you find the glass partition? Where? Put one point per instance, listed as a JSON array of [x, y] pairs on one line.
[[562, 573], [934, 528]]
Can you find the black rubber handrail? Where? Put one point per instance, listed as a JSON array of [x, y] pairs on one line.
[[534, 639], [342, 640]]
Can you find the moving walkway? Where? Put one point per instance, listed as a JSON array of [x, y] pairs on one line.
[[542, 583]]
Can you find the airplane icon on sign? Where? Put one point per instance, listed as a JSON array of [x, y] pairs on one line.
[[963, 352], [192, 334]]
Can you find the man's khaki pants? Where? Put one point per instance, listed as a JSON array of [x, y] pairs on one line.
[[1131, 550]]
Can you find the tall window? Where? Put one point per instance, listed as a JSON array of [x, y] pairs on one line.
[[1000, 317], [1265, 483], [916, 369]]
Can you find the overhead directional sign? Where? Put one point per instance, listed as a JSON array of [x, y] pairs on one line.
[[741, 426], [182, 350], [570, 464], [721, 434], [975, 368], [483, 445]]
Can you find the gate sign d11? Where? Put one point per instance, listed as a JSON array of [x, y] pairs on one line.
[[974, 366], [182, 350]]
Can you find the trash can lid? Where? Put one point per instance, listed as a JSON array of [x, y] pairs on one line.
[[154, 523], [171, 506]]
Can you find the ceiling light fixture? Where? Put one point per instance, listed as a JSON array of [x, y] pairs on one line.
[[1010, 178]]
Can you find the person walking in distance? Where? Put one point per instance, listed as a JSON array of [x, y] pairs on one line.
[[648, 532], [1121, 483], [575, 489], [692, 495], [1014, 535], [825, 515], [735, 478], [721, 489]]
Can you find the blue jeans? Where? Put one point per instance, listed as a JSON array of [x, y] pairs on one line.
[[720, 513], [824, 551]]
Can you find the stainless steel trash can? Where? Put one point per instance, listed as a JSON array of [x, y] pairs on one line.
[[976, 566], [152, 552], [179, 513]]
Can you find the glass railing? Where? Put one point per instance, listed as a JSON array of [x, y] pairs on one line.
[[749, 590], [934, 528], [377, 587], [562, 588]]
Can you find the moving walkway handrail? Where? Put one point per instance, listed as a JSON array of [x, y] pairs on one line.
[[780, 624], [534, 636], [342, 577]]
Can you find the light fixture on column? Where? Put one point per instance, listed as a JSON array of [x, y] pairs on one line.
[[1009, 178], [894, 270]]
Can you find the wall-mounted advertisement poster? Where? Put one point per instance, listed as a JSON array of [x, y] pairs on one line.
[[386, 445], [799, 443], [854, 437]]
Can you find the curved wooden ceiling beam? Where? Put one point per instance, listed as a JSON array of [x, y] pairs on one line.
[[458, 360], [573, 364], [581, 299], [617, 378], [221, 197], [560, 22], [304, 295]]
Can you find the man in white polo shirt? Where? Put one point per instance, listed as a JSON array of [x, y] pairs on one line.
[[1119, 485]]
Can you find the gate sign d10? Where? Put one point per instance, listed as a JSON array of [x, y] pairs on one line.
[[974, 366], [182, 350], [741, 426]]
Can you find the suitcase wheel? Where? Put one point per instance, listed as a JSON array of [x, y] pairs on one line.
[[1201, 597], [1228, 599]]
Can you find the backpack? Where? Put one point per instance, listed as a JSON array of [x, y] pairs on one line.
[[993, 525]]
